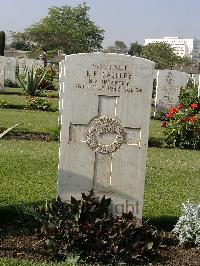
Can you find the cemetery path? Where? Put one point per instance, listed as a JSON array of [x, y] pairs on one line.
[[22, 243]]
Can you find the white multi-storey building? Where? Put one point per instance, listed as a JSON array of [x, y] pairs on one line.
[[182, 47]]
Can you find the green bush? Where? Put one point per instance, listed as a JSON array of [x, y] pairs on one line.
[[39, 103], [85, 227]]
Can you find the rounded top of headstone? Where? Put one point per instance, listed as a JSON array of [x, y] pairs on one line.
[[110, 55]]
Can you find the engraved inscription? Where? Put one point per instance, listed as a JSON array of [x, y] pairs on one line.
[[170, 78], [109, 78], [104, 125]]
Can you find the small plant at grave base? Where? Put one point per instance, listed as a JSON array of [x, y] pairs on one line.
[[182, 125], [85, 228], [30, 81], [39, 103], [4, 104], [163, 107], [48, 79], [187, 228]]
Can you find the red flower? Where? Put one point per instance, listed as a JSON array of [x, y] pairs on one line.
[[192, 119], [181, 106], [171, 116], [194, 105], [173, 110], [164, 124]]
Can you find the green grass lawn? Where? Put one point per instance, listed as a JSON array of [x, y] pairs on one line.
[[20, 100], [31, 168], [155, 130], [45, 122], [32, 121], [172, 177], [13, 262], [20, 91]]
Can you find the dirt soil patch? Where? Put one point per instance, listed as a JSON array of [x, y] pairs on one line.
[[23, 243], [27, 136]]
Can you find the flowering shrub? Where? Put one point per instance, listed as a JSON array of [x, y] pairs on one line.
[[182, 125], [187, 228], [39, 103], [4, 104]]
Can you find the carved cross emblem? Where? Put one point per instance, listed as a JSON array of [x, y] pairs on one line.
[[105, 135]]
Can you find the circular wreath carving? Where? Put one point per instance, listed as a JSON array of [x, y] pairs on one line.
[[103, 125]]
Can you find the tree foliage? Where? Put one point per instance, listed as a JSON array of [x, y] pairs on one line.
[[119, 48], [135, 49], [20, 41], [65, 28], [162, 54], [2, 43]]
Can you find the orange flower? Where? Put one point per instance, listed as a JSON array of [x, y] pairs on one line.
[[192, 119]]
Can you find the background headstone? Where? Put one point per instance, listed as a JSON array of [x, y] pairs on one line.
[[1, 72], [10, 66], [169, 84], [29, 63], [61, 88], [104, 130], [38, 64], [195, 78]]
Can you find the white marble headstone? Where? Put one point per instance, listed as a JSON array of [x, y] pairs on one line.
[[38, 64], [29, 64], [61, 88], [169, 84], [10, 66], [22, 65], [196, 78], [104, 130], [1, 72]]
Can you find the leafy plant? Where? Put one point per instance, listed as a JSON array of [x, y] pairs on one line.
[[187, 228], [189, 94], [85, 227], [39, 103], [30, 81], [48, 79]]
